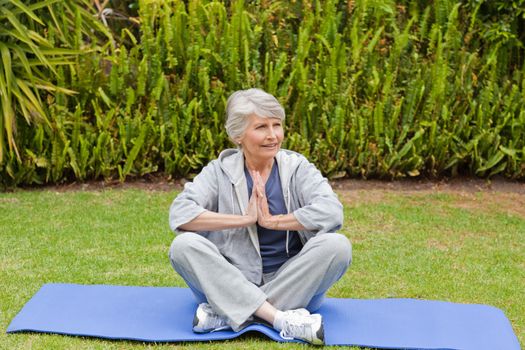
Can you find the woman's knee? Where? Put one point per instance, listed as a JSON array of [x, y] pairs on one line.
[[184, 244], [338, 246]]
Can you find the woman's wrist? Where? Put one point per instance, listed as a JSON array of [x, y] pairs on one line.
[[277, 222], [284, 222], [247, 220], [212, 221], [273, 222]]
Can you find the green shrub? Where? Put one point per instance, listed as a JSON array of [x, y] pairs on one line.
[[371, 88]]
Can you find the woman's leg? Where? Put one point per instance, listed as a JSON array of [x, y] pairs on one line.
[[231, 295], [304, 279], [211, 276], [266, 312]]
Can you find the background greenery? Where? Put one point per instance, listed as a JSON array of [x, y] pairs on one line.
[[121, 89], [459, 247]]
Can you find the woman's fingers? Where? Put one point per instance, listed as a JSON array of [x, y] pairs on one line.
[[254, 189], [262, 204], [260, 179], [258, 192], [260, 184], [259, 208], [252, 209]]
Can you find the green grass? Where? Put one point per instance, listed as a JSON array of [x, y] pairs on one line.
[[417, 245]]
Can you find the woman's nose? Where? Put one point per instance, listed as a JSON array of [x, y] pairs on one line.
[[271, 133]]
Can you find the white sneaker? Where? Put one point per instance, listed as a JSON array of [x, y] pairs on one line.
[[206, 320], [301, 312], [299, 324]]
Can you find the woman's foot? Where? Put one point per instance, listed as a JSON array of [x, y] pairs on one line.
[[300, 324], [206, 320]]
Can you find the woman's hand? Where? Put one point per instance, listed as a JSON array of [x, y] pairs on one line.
[[264, 218], [256, 212], [251, 211]]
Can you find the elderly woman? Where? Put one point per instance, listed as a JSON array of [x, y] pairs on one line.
[[256, 230]]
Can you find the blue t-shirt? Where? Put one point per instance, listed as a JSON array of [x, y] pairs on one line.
[[272, 243]]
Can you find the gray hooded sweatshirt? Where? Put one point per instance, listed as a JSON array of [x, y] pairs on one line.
[[221, 187]]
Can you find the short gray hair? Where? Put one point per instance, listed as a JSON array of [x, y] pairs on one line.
[[243, 103]]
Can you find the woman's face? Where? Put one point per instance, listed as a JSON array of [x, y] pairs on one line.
[[263, 137]]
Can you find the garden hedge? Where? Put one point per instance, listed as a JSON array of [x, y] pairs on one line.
[[382, 89]]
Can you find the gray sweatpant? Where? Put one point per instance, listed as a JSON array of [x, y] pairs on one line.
[[301, 282]]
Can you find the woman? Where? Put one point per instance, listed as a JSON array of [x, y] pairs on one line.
[[256, 229]]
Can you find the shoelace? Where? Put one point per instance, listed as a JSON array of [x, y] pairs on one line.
[[212, 319], [295, 327], [216, 322]]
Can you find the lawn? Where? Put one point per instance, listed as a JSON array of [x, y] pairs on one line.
[[461, 246]]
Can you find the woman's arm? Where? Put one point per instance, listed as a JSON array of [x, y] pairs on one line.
[[286, 222], [211, 221], [320, 209]]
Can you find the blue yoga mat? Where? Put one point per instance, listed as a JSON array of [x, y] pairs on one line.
[[165, 314]]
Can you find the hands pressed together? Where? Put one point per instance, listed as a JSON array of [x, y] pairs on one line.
[[258, 209], [257, 212]]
